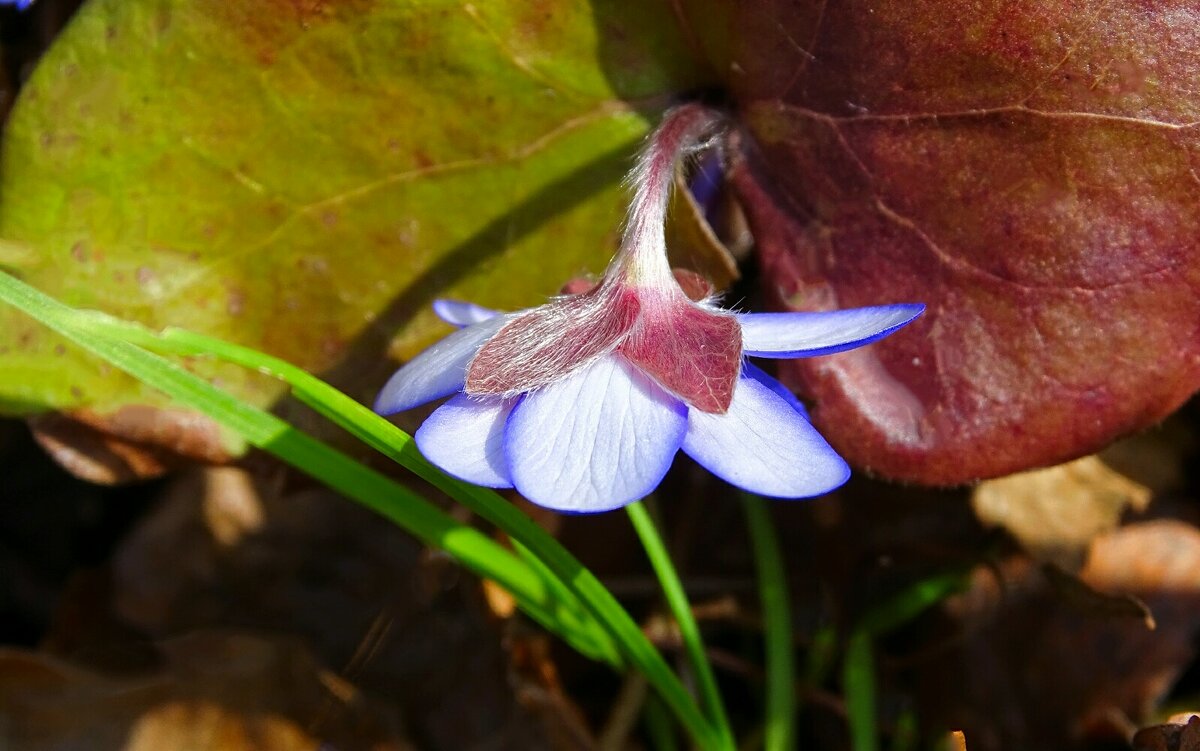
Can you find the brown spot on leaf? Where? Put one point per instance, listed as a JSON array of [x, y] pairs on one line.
[[269, 26], [332, 346], [235, 301]]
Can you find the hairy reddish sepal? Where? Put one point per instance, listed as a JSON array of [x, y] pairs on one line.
[[553, 341], [694, 353]]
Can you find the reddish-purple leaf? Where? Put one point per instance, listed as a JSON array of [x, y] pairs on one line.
[[1027, 169]]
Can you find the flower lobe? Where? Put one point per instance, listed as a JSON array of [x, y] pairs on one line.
[[549, 343], [693, 352]]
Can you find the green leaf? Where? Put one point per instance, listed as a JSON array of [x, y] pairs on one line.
[[303, 178]]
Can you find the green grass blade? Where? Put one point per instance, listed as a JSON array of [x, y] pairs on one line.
[[689, 630], [472, 548], [911, 602], [658, 725], [773, 593], [398, 445], [111, 338], [858, 683]]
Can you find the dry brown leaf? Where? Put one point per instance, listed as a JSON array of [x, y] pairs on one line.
[[1180, 734], [1079, 595], [400, 623], [226, 691], [1055, 513], [1158, 458], [692, 243], [1034, 672], [133, 443]]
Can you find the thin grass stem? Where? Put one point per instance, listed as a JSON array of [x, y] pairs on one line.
[[773, 595], [689, 630]]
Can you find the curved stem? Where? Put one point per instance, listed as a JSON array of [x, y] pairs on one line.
[[643, 253]]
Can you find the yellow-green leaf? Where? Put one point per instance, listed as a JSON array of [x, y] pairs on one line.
[[304, 177]]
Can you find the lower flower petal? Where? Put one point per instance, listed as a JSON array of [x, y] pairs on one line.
[[459, 313], [594, 441], [763, 445], [750, 370], [438, 371], [465, 438], [787, 335]]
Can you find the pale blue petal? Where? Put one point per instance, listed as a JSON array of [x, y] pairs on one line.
[[465, 437], [594, 441], [751, 370], [763, 445], [438, 371], [458, 313], [785, 335]]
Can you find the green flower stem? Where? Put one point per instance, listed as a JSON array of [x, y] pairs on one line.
[[113, 340], [689, 630], [773, 594]]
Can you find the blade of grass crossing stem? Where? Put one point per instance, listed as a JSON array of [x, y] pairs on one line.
[[689, 631], [394, 443], [773, 594], [376, 432], [472, 548], [398, 445], [905, 732]]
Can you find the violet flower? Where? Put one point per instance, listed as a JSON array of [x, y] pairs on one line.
[[21, 4], [581, 404]]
